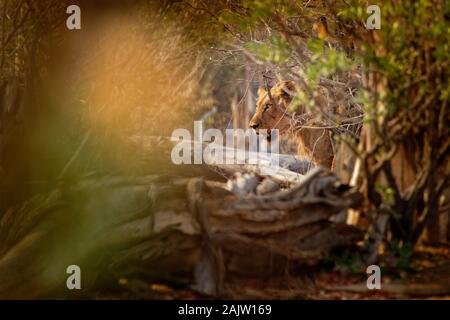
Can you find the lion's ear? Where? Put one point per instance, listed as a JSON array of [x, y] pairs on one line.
[[261, 91], [289, 87]]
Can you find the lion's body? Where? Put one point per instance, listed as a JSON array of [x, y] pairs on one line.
[[272, 113]]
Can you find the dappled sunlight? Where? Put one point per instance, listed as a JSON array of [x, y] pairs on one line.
[[139, 79]]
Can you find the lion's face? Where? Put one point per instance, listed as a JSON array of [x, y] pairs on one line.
[[273, 114]]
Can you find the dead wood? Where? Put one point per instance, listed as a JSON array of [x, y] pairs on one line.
[[177, 229]]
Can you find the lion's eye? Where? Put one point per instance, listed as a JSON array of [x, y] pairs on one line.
[[267, 106]]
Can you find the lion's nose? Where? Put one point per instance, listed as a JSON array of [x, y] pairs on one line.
[[254, 125]]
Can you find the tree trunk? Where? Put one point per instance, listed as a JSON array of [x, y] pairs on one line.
[[162, 228]]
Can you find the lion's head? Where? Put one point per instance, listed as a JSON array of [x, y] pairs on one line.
[[273, 113]]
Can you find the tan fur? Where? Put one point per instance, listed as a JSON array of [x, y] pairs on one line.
[[315, 144]]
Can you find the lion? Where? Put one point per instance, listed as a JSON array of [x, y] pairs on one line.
[[272, 112], [317, 143]]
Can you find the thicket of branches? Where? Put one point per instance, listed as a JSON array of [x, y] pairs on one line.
[[71, 99], [397, 75]]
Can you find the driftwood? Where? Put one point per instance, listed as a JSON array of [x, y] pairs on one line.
[[186, 230]]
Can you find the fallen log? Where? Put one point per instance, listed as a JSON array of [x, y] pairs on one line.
[[169, 228]]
